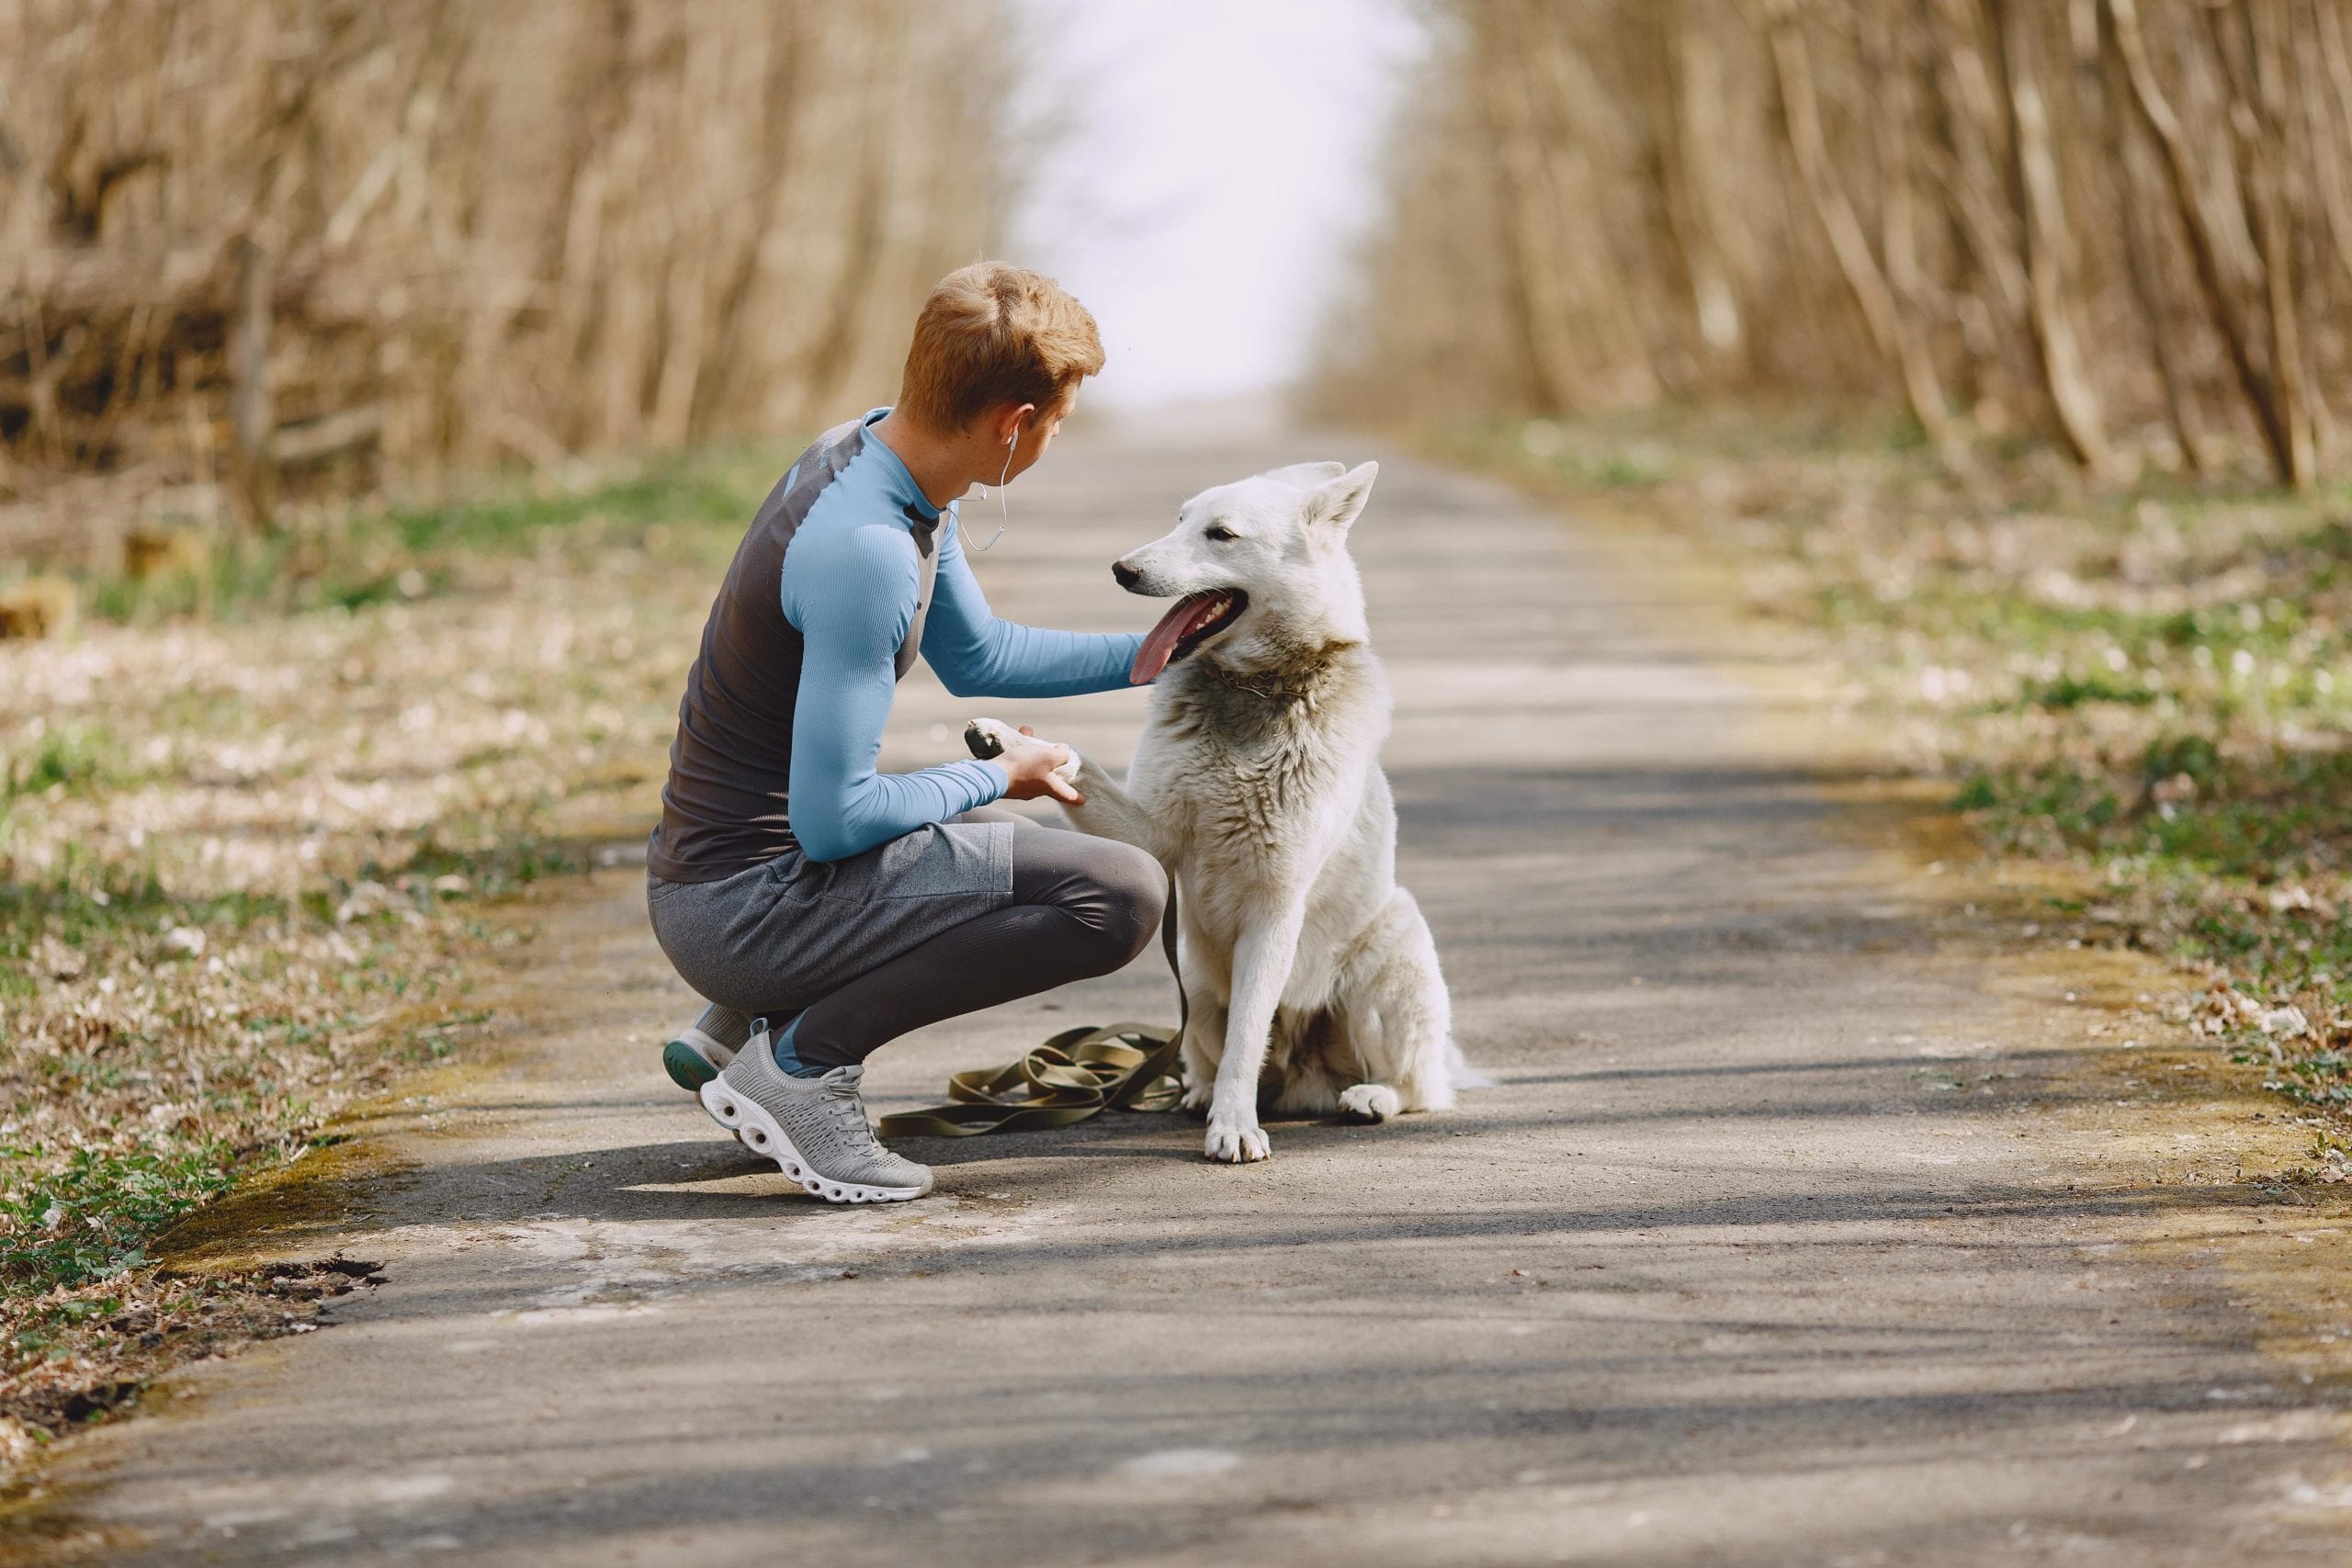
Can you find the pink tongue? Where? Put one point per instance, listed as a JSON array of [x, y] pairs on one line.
[[1159, 646]]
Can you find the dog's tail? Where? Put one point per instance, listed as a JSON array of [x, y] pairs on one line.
[[1458, 1067]]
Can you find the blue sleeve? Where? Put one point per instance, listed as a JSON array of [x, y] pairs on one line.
[[977, 655], [851, 595]]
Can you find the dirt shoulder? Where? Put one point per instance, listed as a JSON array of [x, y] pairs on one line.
[[265, 817]]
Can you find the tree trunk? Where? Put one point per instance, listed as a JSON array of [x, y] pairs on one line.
[[1975, 124], [1691, 124], [253, 469], [2334, 70], [1530, 208], [2064, 374], [1607, 310], [2127, 152], [1894, 127], [1889, 333], [2263, 133], [2156, 114]]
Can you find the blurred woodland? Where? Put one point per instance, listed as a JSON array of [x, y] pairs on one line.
[[271, 248], [280, 280], [2124, 225]]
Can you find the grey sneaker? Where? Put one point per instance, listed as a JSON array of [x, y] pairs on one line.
[[700, 1052], [815, 1129]]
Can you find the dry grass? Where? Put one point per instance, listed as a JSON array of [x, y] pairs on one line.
[[242, 861]]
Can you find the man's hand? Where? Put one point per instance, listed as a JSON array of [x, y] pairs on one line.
[[1030, 765]]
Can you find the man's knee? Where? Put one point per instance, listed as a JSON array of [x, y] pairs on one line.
[[1135, 893]]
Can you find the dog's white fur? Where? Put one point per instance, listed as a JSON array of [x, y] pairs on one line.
[[1310, 974]]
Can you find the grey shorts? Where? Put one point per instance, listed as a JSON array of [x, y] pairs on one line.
[[788, 933]]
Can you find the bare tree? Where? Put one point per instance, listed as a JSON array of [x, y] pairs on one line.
[[387, 240], [1912, 198], [1891, 332], [2064, 371]]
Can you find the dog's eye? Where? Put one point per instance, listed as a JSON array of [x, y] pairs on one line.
[[1220, 533]]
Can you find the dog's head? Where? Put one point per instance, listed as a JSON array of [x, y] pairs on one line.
[[1258, 567]]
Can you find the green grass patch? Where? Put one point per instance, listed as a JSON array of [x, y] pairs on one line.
[[91, 1218], [351, 563], [2069, 690], [68, 758]]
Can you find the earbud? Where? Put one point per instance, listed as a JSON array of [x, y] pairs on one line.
[[1011, 444]]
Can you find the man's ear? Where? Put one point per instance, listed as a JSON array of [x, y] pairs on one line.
[[1340, 502], [1012, 420], [1306, 475]]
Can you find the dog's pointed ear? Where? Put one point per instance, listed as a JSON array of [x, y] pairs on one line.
[[1337, 502], [1306, 475]]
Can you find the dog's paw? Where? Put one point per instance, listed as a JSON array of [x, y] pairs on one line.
[[989, 737], [1369, 1102], [1231, 1143]]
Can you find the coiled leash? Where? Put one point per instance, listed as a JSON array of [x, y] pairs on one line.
[[1078, 1074]]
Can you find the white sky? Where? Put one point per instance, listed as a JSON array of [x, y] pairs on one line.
[[1214, 161]]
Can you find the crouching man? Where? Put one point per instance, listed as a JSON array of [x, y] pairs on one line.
[[791, 884]]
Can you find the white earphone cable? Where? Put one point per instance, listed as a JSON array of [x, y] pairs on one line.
[[1011, 444]]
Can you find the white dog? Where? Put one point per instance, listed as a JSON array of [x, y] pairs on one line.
[[1310, 974]]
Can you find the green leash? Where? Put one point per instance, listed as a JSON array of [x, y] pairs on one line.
[[1078, 1074]]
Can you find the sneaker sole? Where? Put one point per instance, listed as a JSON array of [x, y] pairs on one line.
[[693, 1058], [758, 1132], [687, 1067]]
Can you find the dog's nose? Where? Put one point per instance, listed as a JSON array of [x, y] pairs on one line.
[[1124, 575]]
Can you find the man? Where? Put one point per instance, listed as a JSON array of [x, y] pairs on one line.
[[791, 881]]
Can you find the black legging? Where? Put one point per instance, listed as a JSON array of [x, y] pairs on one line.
[[1081, 906]]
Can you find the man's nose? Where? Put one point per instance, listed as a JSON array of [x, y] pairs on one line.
[[1124, 575]]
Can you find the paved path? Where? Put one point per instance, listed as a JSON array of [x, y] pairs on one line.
[[1753, 1257]]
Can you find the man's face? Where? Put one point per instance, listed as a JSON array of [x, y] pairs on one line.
[[1037, 433]]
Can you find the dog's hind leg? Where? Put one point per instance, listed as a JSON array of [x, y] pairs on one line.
[[1397, 1018], [1300, 1070]]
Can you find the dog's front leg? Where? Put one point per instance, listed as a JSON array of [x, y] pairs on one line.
[[1111, 813], [1108, 813], [1261, 962]]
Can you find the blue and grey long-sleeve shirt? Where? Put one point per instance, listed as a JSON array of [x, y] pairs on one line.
[[847, 571]]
